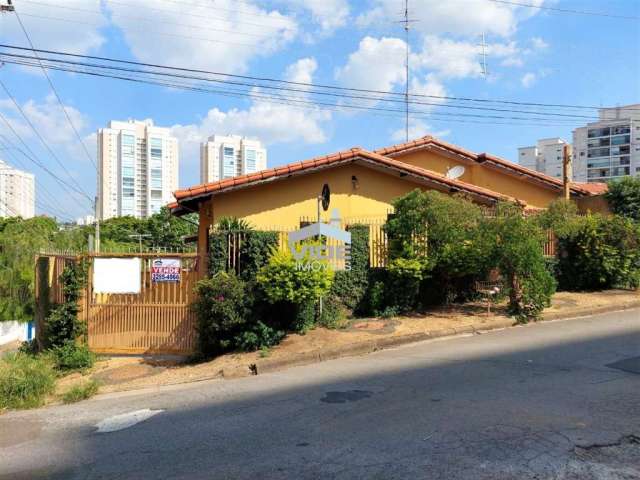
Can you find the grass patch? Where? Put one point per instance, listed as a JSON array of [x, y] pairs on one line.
[[71, 357], [25, 380], [81, 392]]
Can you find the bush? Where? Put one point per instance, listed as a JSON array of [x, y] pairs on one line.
[[25, 380], [62, 325], [333, 313], [223, 310], [624, 197], [260, 337], [350, 286], [603, 252], [71, 357], [405, 276], [281, 280], [443, 233], [81, 392], [254, 248], [518, 255]]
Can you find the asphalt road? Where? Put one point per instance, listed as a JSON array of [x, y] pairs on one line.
[[536, 402]]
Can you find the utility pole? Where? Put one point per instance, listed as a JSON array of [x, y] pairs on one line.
[[566, 171], [140, 236], [97, 214]]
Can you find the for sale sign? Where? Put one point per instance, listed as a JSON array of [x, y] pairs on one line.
[[165, 270]]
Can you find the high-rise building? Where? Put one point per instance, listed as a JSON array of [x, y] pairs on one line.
[[17, 192], [545, 156], [610, 147], [138, 169], [226, 156]]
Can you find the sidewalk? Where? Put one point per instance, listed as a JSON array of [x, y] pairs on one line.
[[361, 336]]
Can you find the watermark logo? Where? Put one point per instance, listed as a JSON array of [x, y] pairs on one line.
[[335, 254]]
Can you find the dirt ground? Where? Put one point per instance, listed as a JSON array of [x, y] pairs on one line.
[[122, 373]]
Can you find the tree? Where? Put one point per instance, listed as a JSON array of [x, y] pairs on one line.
[[518, 255], [624, 197]]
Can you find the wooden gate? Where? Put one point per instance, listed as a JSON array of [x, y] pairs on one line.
[[159, 319]]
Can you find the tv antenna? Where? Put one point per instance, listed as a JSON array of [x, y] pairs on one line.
[[406, 21], [483, 57]]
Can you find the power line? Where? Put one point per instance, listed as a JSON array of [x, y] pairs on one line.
[[33, 158], [55, 92], [307, 85], [302, 91], [147, 19], [79, 188], [567, 10], [51, 199], [296, 101], [147, 31]]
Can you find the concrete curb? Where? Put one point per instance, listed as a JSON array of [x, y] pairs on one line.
[[362, 348]]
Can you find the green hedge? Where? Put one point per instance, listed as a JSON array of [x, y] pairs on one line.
[[350, 286]]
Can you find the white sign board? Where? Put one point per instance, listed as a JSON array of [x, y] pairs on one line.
[[165, 270], [116, 275]]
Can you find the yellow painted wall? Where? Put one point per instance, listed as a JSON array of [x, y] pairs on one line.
[[476, 174], [280, 204], [597, 204]]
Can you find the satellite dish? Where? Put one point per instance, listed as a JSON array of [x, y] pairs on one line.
[[455, 172], [325, 197]]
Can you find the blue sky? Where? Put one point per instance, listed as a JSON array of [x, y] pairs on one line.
[[533, 55]]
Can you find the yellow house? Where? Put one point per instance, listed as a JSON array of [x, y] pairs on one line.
[[363, 185]]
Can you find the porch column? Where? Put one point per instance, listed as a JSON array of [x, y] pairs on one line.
[[204, 223]]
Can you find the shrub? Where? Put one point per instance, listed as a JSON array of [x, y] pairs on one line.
[[254, 247], [333, 313], [259, 337], [603, 252], [72, 357], [350, 286], [223, 311], [518, 255], [624, 197], [281, 280], [444, 234], [62, 325], [25, 380], [405, 276], [81, 392]]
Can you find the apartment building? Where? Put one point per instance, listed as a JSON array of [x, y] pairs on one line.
[[137, 170], [609, 148], [17, 192], [226, 156], [545, 156]]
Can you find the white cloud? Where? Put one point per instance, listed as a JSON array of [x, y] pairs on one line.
[[223, 38], [378, 64], [329, 14], [301, 71], [467, 17], [539, 43], [51, 122], [531, 78], [272, 123], [417, 129], [65, 28]]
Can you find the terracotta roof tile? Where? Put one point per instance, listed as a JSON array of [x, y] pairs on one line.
[[351, 154]]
